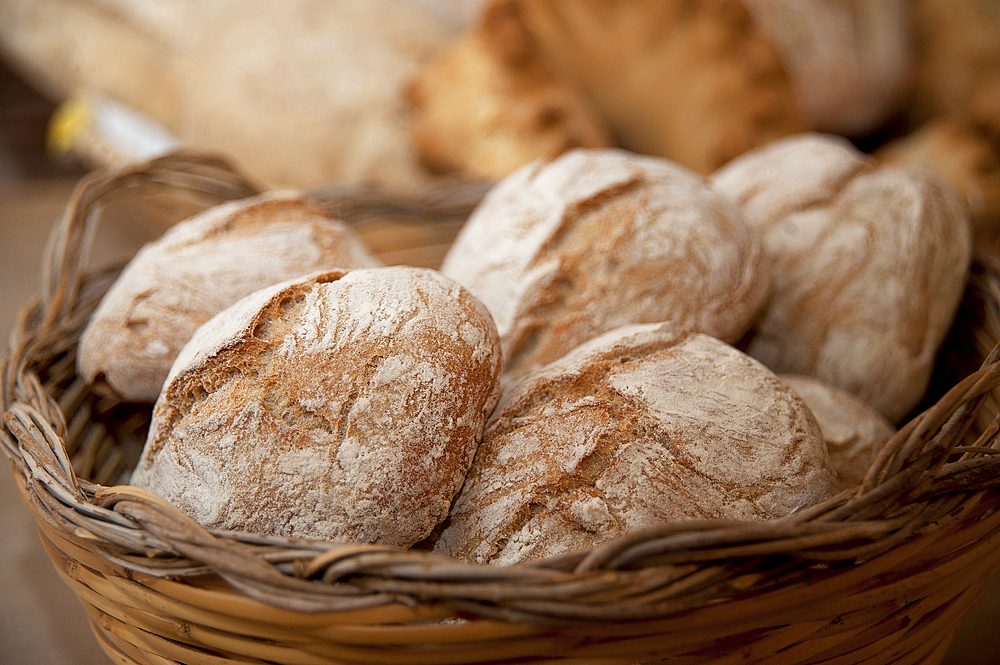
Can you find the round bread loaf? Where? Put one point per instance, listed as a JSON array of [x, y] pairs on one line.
[[563, 251], [868, 266], [195, 270], [643, 425], [342, 406], [853, 431]]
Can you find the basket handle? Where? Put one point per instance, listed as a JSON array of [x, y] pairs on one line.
[[68, 248]]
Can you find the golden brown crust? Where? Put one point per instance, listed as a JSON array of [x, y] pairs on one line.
[[646, 424], [198, 268], [343, 406]]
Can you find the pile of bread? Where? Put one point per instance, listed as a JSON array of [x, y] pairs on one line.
[[613, 341], [390, 92]]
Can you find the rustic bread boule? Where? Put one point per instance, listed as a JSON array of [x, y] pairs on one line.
[[341, 406], [198, 268], [562, 251], [643, 425], [853, 431], [868, 265]]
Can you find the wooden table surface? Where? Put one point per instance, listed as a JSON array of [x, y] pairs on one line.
[[41, 621]]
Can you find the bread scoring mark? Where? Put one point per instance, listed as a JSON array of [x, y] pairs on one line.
[[537, 320], [538, 316], [581, 208], [236, 358], [544, 390]]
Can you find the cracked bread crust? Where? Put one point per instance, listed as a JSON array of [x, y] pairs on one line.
[[868, 265], [344, 406], [643, 425], [563, 251], [195, 270]]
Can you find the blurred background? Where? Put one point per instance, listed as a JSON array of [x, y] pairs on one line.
[[399, 92]]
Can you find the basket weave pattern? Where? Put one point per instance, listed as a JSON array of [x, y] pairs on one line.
[[884, 573]]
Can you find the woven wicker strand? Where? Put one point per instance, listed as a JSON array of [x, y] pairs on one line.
[[884, 573]]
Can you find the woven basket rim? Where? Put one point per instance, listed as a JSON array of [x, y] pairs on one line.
[[923, 481]]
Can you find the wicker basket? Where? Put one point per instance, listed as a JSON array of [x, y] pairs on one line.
[[881, 574]]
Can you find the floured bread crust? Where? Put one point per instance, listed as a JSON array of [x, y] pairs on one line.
[[342, 406], [644, 425], [868, 266], [853, 431], [195, 270], [563, 251]]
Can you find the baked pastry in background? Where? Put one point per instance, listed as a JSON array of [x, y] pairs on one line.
[[868, 265], [563, 251], [694, 82], [851, 63], [958, 62], [198, 268], [644, 425], [965, 157], [854, 432], [487, 104], [299, 92], [339, 406]]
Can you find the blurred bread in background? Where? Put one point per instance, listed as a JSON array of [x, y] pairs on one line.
[[299, 92], [396, 93]]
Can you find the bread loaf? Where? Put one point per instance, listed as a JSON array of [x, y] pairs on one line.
[[868, 266], [340, 406], [198, 268], [643, 425], [853, 431], [562, 251]]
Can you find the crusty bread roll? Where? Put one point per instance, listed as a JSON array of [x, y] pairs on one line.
[[562, 251], [198, 268], [343, 406], [868, 266], [853, 431], [643, 425]]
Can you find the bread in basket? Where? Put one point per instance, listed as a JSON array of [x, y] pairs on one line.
[[884, 573]]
